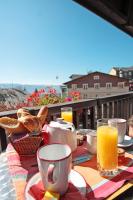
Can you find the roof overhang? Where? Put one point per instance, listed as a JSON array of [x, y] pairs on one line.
[[117, 12]]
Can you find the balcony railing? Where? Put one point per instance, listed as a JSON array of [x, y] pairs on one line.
[[85, 112]]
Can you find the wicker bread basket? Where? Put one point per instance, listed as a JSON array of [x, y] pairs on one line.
[[26, 144], [28, 124]]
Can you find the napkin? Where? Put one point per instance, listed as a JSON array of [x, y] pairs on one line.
[[110, 186], [37, 191]]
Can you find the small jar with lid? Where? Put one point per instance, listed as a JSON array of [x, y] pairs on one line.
[[91, 139], [130, 126]]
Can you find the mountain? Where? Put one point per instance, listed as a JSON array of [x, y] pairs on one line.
[[10, 98], [30, 88]]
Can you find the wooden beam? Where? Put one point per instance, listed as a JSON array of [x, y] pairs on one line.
[[115, 16]]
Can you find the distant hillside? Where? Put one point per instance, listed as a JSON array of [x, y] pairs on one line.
[[10, 98], [30, 88]]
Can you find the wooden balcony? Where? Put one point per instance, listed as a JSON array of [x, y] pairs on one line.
[[85, 112]]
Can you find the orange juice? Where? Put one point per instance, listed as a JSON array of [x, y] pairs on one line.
[[107, 139], [67, 116]]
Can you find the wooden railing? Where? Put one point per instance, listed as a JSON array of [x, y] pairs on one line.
[[85, 112]]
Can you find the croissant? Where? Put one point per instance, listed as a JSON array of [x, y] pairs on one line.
[[42, 114], [25, 122], [22, 112], [31, 123], [12, 125]]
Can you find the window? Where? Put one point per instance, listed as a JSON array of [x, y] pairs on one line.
[[96, 77], [74, 86], [96, 85], [120, 73], [108, 85], [85, 86], [121, 84], [85, 96], [130, 73]]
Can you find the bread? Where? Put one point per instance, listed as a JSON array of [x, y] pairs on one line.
[[25, 122], [12, 125], [42, 114], [31, 123], [22, 112]]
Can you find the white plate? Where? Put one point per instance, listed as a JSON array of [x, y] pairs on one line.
[[128, 141], [74, 177]]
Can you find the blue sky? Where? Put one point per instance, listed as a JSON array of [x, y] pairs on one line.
[[42, 39]]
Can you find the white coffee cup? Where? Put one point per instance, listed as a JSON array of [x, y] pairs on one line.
[[54, 162], [121, 125]]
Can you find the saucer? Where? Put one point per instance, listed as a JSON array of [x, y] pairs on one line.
[[128, 141], [74, 177]]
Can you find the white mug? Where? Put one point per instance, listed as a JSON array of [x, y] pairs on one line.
[[54, 162], [120, 124]]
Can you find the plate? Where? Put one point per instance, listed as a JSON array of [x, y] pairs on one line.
[[128, 141], [74, 177]]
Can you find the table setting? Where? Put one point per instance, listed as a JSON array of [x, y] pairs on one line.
[[64, 162]]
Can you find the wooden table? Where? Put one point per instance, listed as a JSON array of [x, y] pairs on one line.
[[123, 193]]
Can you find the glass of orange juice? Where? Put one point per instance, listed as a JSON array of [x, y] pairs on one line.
[[107, 155], [66, 114]]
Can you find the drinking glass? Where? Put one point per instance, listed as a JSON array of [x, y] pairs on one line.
[[107, 154], [66, 114]]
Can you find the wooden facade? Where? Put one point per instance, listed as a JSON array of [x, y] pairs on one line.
[[97, 84]]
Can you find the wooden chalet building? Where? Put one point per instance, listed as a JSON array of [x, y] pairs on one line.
[[98, 84]]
